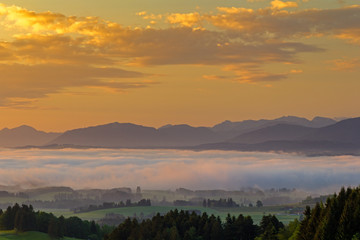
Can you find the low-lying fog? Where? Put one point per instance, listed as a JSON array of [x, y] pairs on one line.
[[170, 169]]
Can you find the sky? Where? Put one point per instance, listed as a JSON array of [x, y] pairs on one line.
[[68, 64], [172, 169]]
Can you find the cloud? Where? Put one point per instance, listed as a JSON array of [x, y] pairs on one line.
[[345, 64], [51, 52], [37, 81], [185, 19], [277, 4], [268, 23], [215, 77], [251, 73], [108, 41], [55, 49]]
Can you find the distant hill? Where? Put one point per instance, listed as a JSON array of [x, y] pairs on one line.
[[230, 129], [273, 133], [345, 131], [340, 138], [108, 135], [24, 135], [185, 135], [135, 136]]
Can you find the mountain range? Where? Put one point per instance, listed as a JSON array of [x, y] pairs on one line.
[[288, 134]]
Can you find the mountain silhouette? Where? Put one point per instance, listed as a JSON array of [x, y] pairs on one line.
[[345, 131], [286, 134], [230, 129], [273, 133], [340, 138], [135, 136], [24, 135]]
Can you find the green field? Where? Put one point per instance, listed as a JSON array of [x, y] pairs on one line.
[[4, 235], [255, 213]]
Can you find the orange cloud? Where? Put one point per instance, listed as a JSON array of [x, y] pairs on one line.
[[51, 52], [352, 34], [250, 73], [185, 19], [215, 77], [277, 4], [345, 64], [268, 23], [37, 81]]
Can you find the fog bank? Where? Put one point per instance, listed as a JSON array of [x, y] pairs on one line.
[[170, 169]]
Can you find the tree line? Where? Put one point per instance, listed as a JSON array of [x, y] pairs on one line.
[[336, 219], [225, 203], [24, 218], [176, 225], [107, 205]]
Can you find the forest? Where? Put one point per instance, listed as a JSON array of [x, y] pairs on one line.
[[190, 226], [338, 218], [24, 218]]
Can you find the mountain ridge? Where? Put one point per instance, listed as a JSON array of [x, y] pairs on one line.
[[24, 135], [340, 138], [287, 134]]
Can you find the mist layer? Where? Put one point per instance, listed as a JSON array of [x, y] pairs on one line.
[[170, 169]]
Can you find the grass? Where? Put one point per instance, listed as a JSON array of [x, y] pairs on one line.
[[12, 200], [128, 211], [5, 235], [255, 213]]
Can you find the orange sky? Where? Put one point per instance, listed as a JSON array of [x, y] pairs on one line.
[[66, 65]]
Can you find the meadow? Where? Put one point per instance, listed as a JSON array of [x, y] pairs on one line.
[[255, 213], [7, 235]]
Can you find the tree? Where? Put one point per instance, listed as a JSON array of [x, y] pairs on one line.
[[259, 203], [270, 227], [53, 228], [290, 231]]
